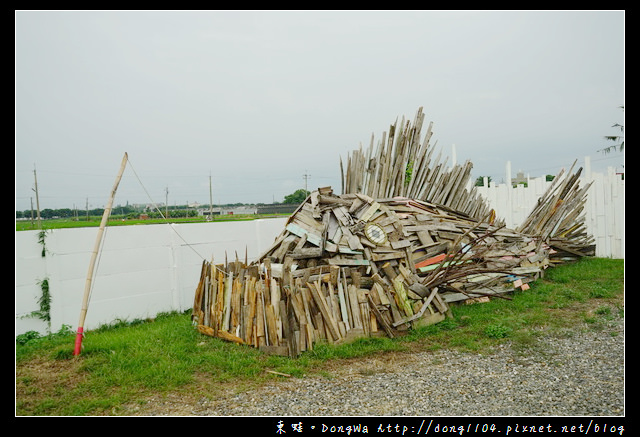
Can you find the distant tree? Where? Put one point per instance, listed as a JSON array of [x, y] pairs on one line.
[[47, 213], [297, 197], [64, 212], [616, 138]]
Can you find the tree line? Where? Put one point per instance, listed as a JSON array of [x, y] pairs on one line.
[[120, 211], [133, 212]]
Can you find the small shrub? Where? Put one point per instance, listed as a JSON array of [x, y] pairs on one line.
[[22, 339], [604, 311], [447, 324], [497, 331]]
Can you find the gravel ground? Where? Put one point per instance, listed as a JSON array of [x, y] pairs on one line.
[[580, 374]]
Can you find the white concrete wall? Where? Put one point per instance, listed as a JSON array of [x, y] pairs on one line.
[[141, 270]]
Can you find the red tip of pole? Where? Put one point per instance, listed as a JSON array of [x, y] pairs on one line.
[[76, 351]]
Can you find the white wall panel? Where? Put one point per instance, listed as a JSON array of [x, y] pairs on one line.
[[140, 271]]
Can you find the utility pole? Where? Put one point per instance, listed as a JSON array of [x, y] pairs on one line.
[[210, 199], [305, 176], [166, 203], [37, 197]]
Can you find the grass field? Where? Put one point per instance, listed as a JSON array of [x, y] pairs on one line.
[[129, 362], [94, 221]]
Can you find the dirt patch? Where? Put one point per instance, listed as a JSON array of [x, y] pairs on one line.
[[40, 379]]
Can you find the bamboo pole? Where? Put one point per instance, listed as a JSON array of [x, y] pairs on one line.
[[94, 256]]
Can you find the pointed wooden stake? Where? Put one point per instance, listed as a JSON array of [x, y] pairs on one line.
[[94, 255]]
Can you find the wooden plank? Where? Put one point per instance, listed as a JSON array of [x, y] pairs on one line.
[[387, 256], [334, 303], [419, 289], [382, 294], [236, 307], [343, 307], [409, 256], [300, 230], [204, 315], [345, 289], [307, 310], [381, 320], [352, 240], [456, 297], [251, 313], [314, 204], [298, 306], [355, 205], [347, 251], [276, 350], [336, 261], [310, 337], [324, 310], [441, 305], [425, 305], [289, 325], [430, 318], [389, 271], [402, 298], [333, 200], [343, 329], [448, 235], [199, 297], [320, 331], [227, 301], [333, 227], [272, 333], [342, 214], [260, 320], [445, 264], [355, 309], [219, 309], [287, 244], [363, 306], [420, 228], [388, 220], [434, 260], [306, 252], [400, 244], [370, 211], [337, 235], [207, 330]]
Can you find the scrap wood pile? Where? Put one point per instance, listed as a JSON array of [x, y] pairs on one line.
[[557, 218], [353, 265], [403, 164], [349, 266]]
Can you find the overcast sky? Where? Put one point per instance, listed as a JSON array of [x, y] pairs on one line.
[[259, 99]]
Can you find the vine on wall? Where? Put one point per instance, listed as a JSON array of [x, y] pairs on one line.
[[44, 302], [42, 235]]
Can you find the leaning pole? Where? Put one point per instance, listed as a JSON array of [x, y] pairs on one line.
[[94, 256]]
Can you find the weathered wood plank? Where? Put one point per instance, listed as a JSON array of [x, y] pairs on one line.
[[324, 310], [348, 262]]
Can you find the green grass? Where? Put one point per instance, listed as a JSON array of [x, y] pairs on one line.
[[126, 363], [582, 294], [94, 221]]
